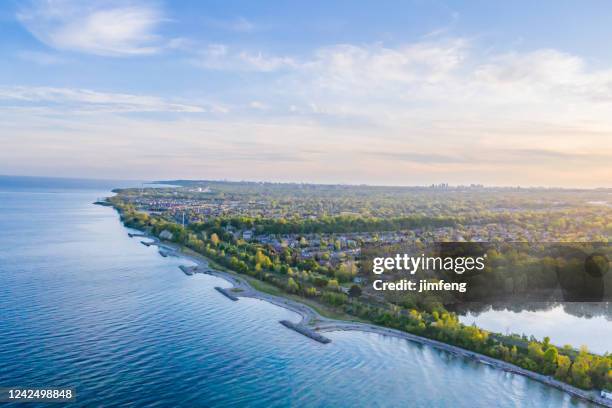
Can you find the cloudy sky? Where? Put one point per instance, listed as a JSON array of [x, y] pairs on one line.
[[408, 93]]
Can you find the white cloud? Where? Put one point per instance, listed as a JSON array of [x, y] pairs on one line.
[[443, 98], [84, 100], [101, 28], [346, 65], [221, 57], [546, 75], [194, 148], [448, 81], [542, 66], [432, 111], [423, 76]]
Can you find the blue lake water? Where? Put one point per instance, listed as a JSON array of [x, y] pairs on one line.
[[84, 305]]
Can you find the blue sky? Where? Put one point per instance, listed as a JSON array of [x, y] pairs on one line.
[[411, 92]]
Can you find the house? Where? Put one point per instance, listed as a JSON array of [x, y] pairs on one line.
[[247, 234]]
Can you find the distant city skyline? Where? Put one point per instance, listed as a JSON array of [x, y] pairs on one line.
[[381, 93]]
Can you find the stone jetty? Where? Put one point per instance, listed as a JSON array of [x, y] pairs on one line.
[[226, 293], [305, 331], [188, 270]]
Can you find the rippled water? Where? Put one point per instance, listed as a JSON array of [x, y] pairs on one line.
[[83, 305]]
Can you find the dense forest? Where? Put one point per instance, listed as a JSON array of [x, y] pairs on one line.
[[325, 224]]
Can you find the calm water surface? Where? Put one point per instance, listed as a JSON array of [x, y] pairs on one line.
[[582, 327], [83, 305]]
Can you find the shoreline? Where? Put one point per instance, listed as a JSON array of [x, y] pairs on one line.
[[312, 320]]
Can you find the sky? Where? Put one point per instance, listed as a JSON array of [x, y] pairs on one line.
[[394, 93]]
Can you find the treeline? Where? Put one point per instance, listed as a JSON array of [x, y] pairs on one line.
[[337, 224]]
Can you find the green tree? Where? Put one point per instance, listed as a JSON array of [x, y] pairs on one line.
[[333, 284], [534, 350], [550, 360], [563, 367], [292, 286]]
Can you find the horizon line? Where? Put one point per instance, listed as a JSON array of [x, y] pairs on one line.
[[431, 185]]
